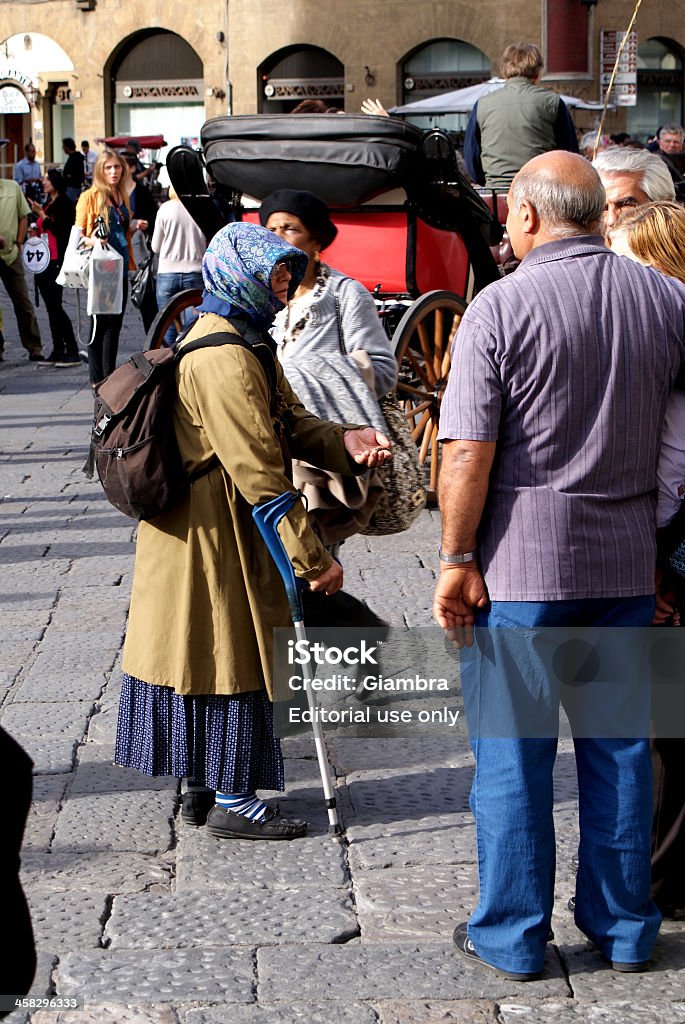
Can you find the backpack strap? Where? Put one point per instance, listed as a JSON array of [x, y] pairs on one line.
[[249, 338]]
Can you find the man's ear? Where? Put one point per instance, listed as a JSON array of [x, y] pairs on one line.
[[529, 219]]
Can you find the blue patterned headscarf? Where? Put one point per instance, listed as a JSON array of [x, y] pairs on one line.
[[237, 268]]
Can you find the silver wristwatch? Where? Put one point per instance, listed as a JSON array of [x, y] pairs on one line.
[[466, 556]]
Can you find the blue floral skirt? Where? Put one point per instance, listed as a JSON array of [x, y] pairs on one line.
[[225, 743]]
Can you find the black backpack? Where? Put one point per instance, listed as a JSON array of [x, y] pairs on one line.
[[133, 444]]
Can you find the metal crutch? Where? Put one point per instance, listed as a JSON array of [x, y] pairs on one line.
[[267, 517]]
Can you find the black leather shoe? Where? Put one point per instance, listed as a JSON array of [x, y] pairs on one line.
[[196, 806], [638, 967], [465, 947], [228, 825]]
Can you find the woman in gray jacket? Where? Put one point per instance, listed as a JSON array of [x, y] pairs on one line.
[[330, 312]]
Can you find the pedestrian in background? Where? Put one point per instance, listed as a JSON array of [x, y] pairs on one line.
[[180, 246], [27, 172], [144, 210], [517, 122], [14, 211], [631, 177], [108, 198], [74, 170], [89, 160], [55, 218]]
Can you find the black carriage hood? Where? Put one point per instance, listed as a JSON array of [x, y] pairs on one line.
[[345, 159]]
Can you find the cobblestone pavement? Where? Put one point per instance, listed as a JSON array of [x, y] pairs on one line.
[[155, 923]]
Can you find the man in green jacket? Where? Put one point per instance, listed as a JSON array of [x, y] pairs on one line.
[[510, 126]]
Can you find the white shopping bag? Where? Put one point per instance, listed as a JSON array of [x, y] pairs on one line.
[[106, 281], [74, 272]]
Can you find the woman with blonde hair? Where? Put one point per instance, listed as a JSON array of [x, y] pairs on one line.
[[103, 212], [654, 234]]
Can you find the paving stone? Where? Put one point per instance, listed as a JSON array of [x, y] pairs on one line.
[[47, 682], [103, 1014], [389, 972], [96, 773], [408, 796], [355, 754], [50, 754], [204, 862], [104, 872], [139, 822], [437, 839], [422, 904], [606, 1012], [63, 921], [247, 915], [40, 988], [43, 813], [52, 718], [284, 1013], [418, 888], [102, 727], [592, 980], [464, 1011], [166, 976]]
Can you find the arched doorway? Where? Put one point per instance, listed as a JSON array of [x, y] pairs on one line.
[[441, 65], [659, 88], [297, 73], [34, 70], [156, 86]]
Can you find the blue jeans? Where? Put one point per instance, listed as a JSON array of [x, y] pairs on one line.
[[512, 801], [169, 285]]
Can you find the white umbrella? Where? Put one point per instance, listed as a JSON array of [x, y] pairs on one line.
[[462, 101]]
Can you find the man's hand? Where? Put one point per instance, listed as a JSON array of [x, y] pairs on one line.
[[367, 446], [459, 592], [665, 601], [330, 580]]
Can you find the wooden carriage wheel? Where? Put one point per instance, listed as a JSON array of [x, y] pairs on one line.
[[171, 314], [422, 342]]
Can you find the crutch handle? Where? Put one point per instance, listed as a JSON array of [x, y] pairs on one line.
[[267, 517]]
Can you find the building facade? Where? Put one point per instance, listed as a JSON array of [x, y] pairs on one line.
[[95, 68]]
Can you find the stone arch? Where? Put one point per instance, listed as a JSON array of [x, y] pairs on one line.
[[660, 86], [298, 72]]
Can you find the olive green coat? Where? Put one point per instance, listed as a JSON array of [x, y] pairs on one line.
[[206, 592]]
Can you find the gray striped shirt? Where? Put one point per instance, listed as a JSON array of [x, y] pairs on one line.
[[567, 364]]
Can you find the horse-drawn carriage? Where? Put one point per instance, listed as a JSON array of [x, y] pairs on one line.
[[410, 227]]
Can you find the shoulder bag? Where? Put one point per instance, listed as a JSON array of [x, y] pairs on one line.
[[404, 495]]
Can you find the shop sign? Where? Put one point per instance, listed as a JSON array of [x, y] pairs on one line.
[[624, 92], [13, 101], [161, 92]]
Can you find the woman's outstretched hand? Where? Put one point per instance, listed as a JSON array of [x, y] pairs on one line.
[[367, 446]]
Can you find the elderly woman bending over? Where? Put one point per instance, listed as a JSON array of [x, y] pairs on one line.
[[206, 593]]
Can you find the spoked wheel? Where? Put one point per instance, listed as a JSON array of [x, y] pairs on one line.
[[171, 314], [422, 341]]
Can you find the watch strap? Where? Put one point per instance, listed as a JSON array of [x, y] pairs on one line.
[[458, 559]]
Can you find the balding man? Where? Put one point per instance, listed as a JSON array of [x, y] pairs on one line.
[[631, 177], [550, 427]]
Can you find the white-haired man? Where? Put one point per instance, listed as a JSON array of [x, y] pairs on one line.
[[631, 177]]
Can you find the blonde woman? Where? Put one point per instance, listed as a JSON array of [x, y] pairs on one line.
[[654, 234], [108, 198]]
